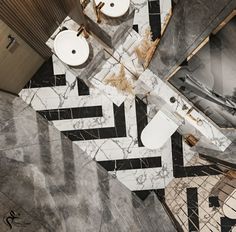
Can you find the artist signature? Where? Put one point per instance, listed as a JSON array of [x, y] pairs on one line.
[[13, 219]]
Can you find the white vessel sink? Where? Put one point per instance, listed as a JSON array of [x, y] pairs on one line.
[[70, 48], [114, 8]]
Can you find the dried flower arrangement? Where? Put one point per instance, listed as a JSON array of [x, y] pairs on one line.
[[147, 47], [120, 81]]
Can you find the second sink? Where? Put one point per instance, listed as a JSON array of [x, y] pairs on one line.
[[114, 8]]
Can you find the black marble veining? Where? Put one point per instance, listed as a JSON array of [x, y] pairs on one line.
[[141, 117], [192, 204], [155, 18], [101, 133], [45, 77], [72, 113], [126, 164]]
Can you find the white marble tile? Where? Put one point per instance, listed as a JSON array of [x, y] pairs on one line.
[[141, 17], [125, 54], [141, 179], [165, 9], [84, 123], [58, 66], [98, 81]]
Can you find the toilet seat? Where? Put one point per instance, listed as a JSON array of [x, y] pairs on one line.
[[158, 131]]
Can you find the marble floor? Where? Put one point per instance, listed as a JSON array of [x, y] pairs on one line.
[[110, 134]]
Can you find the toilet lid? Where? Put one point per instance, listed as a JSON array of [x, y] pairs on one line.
[[158, 131], [229, 206]]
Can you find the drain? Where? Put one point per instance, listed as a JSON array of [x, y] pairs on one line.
[[112, 5], [73, 51], [172, 100]]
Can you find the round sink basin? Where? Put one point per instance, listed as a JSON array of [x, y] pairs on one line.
[[70, 48], [114, 8]]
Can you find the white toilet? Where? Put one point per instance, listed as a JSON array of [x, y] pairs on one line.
[[158, 131], [229, 206]]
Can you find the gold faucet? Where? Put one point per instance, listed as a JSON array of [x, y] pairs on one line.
[[83, 30], [98, 10], [197, 120], [84, 3]]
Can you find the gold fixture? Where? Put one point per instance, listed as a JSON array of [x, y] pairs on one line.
[[147, 47], [231, 174], [98, 10], [197, 120], [191, 140], [83, 30], [84, 3]]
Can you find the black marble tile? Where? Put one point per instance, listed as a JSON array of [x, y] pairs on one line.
[[83, 89], [126, 164], [45, 77], [143, 194], [192, 204], [214, 201], [71, 113], [109, 132], [154, 6], [141, 118], [179, 170], [119, 116], [154, 18], [102, 133], [135, 27], [227, 224], [77, 135], [155, 24]]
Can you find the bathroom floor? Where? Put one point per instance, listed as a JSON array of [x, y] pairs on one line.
[[111, 135]]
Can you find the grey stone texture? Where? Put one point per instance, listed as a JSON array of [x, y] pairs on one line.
[[192, 21], [52, 185], [227, 158], [110, 30], [95, 61], [155, 210]]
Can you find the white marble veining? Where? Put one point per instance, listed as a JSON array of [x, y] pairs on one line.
[[98, 81], [141, 17], [125, 54], [114, 8]]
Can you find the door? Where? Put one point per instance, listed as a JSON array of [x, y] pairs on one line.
[[18, 61]]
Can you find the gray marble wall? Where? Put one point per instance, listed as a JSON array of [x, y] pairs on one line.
[[213, 67], [191, 23], [49, 184]]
